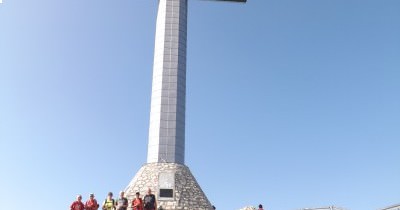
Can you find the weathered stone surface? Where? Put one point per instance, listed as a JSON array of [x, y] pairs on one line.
[[187, 193]]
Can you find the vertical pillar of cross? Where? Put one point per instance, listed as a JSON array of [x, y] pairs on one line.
[[167, 114]]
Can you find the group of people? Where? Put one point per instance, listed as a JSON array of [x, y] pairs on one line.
[[147, 203]]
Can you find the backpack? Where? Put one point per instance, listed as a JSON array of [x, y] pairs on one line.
[[105, 202]]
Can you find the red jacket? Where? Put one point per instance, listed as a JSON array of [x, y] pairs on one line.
[[91, 204], [77, 205], [137, 204]]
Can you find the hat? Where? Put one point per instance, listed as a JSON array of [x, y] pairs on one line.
[[110, 193], [91, 194]]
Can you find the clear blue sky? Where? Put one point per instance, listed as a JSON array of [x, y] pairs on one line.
[[290, 103]]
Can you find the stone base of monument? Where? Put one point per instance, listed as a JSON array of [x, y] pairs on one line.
[[173, 184]]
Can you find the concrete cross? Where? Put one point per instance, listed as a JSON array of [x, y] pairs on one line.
[[167, 114]]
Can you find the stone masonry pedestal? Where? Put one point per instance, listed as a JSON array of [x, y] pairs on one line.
[[173, 184]]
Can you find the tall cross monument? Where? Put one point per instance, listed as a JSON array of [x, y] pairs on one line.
[[165, 172]]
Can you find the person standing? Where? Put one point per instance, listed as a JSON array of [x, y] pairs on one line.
[[109, 203], [137, 203], [77, 204], [91, 204], [149, 201], [122, 202], [260, 207]]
